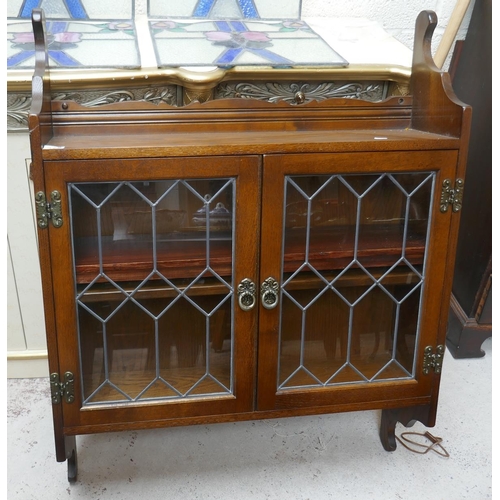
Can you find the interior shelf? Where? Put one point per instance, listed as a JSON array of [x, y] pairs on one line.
[[177, 256], [330, 248]]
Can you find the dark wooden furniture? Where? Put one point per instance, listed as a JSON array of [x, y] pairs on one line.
[[238, 259], [470, 322]]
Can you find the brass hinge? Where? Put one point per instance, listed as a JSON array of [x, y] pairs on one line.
[[59, 390], [452, 195], [46, 211], [433, 359]]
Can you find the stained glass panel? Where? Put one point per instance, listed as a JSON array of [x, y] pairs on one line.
[[229, 43], [74, 44], [224, 33]]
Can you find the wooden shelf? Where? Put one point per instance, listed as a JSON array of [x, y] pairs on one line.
[[178, 256], [331, 248], [142, 145]]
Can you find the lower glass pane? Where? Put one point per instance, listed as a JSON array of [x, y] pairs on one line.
[[153, 267], [344, 328], [156, 343]]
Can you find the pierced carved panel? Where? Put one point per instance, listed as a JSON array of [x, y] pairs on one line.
[[301, 93], [18, 105], [155, 95]]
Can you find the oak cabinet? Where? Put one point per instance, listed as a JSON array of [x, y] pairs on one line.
[[235, 260]]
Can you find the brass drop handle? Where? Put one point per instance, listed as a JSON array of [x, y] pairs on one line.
[[269, 293], [246, 294]]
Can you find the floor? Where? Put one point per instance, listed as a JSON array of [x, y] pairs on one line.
[[309, 458]]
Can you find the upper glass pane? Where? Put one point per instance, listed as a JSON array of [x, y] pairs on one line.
[[153, 266], [354, 252]]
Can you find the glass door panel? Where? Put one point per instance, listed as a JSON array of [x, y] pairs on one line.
[[353, 261], [154, 267]]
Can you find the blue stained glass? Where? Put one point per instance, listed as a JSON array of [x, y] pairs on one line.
[[74, 7], [28, 6], [228, 56], [203, 8], [19, 58], [230, 26], [272, 56], [247, 8], [223, 26], [57, 27], [238, 26], [62, 58]]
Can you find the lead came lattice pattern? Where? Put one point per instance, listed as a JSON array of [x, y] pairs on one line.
[[350, 300], [128, 325]]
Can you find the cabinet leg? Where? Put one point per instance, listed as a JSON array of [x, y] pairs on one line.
[[71, 457], [407, 416]]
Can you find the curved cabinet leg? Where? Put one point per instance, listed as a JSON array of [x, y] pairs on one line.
[[71, 457], [407, 416], [388, 431]]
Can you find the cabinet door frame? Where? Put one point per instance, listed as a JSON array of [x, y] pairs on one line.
[[247, 172], [351, 396]]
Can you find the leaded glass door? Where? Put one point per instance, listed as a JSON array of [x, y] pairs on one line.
[[149, 285], [355, 268]]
